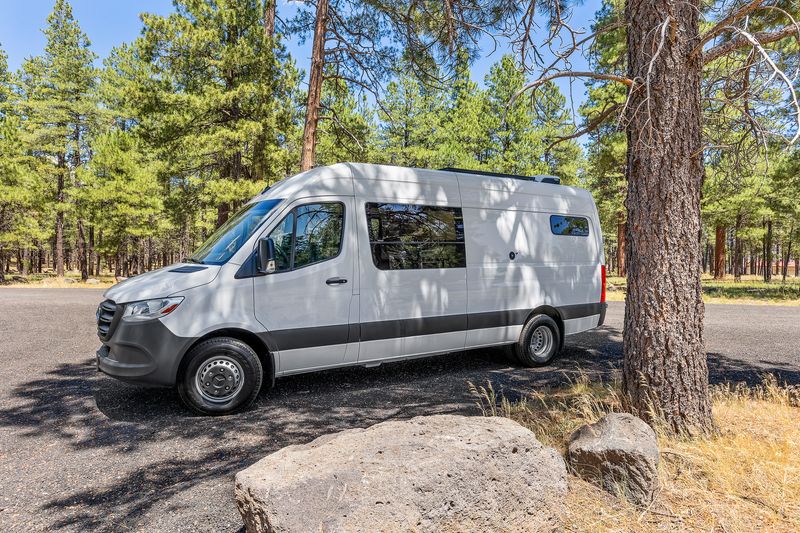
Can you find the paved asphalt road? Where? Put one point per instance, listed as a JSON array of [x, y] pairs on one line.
[[81, 451]]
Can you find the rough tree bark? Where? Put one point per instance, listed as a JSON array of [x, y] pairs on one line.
[[314, 87], [621, 244], [719, 253], [269, 18], [665, 375]]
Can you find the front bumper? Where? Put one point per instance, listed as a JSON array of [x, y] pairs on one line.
[[142, 352]]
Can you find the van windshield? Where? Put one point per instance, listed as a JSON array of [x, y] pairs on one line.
[[230, 236]]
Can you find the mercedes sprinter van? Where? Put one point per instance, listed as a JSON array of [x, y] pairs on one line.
[[356, 264]]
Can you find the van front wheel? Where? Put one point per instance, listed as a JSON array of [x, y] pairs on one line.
[[223, 375], [539, 341]]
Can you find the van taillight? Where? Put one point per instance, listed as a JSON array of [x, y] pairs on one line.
[[603, 289]]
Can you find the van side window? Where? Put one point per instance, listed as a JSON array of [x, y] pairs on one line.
[[309, 234], [318, 233], [573, 226], [282, 237], [405, 236]]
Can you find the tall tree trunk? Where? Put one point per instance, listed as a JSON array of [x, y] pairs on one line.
[[83, 252], [787, 255], [768, 252], [24, 260], [150, 253], [737, 248], [269, 18], [41, 258], [314, 88], [58, 255], [665, 373], [100, 244], [92, 252], [719, 253], [621, 244]]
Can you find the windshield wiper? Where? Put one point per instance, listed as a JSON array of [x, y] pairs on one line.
[[193, 260]]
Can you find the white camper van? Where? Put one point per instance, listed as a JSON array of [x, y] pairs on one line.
[[356, 264]]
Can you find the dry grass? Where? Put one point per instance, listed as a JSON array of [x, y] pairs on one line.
[[70, 281], [746, 478], [751, 290]]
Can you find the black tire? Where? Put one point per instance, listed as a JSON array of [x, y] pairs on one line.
[[224, 358], [549, 344]]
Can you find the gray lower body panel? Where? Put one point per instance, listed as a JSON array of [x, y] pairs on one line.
[[148, 352], [143, 352]]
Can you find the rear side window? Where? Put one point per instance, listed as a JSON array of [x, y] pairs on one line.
[[309, 234], [573, 226], [407, 236]]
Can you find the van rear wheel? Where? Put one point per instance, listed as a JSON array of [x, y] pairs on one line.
[[223, 375], [538, 343]]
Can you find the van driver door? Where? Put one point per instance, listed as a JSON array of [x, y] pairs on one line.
[[307, 304]]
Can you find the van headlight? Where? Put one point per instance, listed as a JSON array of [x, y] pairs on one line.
[[148, 309]]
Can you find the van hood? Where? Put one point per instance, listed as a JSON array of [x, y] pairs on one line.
[[162, 282]]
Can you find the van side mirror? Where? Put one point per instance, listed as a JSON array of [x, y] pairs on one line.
[[266, 256]]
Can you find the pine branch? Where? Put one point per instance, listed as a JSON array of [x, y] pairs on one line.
[[740, 41]]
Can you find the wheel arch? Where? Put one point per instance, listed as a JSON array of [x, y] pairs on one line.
[[553, 313], [248, 337]]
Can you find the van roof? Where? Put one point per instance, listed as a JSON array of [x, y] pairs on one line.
[[440, 186]]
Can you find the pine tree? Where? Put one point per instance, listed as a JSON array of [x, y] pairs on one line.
[[21, 201], [411, 115], [346, 127], [522, 130], [465, 142], [58, 106], [217, 98], [122, 196], [607, 147]]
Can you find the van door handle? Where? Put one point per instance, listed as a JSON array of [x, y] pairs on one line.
[[335, 281]]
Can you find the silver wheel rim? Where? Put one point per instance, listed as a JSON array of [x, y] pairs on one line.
[[219, 379], [541, 342]]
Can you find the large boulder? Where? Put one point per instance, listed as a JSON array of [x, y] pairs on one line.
[[434, 473], [618, 453]]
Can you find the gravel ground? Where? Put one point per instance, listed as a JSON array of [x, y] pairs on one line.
[[81, 451]]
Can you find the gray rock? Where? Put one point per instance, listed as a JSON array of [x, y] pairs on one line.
[[69, 280], [92, 281], [618, 453], [20, 279], [434, 473]]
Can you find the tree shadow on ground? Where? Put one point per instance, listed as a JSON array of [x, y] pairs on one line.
[[161, 451]]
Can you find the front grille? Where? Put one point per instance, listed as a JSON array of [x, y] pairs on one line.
[[106, 319]]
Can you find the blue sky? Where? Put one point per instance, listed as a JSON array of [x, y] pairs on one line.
[[111, 22]]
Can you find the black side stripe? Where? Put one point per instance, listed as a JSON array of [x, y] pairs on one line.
[[293, 339], [389, 329], [568, 312], [497, 319]]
